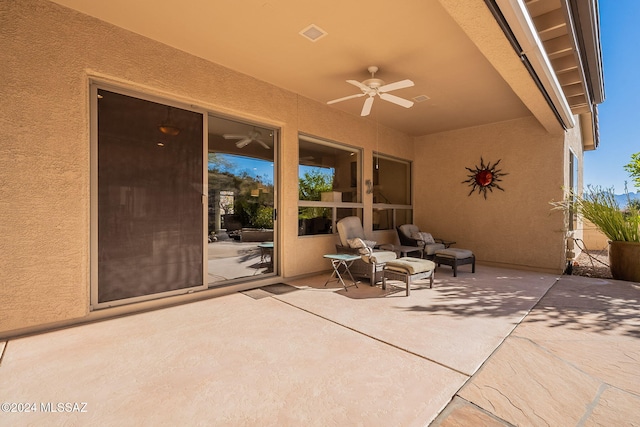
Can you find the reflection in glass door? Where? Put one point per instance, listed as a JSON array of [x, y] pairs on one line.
[[148, 213], [241, 201]]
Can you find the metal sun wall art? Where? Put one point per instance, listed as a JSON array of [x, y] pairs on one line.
[[484, 177]]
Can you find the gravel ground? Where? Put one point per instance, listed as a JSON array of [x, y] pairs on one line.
[[592, 264]]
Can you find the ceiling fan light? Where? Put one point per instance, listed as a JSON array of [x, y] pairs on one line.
[[169, 129]]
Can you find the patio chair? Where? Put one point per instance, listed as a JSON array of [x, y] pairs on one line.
[[371, 262], [410, 235]]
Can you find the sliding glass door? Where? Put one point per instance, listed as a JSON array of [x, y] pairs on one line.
[[148, 207], [241, 201]]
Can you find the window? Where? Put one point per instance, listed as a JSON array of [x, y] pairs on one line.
[[573, 185], [329, 187], [391, 192]]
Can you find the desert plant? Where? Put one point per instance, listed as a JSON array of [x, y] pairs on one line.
[[633, 167], [599, 206]]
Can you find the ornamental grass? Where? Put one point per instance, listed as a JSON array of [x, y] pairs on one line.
[[599, 206]]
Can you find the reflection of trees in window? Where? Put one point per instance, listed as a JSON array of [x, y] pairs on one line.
[[252, 197], [227, 200], [328, 184], [314, 182]]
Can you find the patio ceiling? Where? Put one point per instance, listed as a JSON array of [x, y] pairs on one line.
[[414, 39]]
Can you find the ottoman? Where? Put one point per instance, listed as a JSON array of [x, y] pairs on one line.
[[408, 269], [455, 257]]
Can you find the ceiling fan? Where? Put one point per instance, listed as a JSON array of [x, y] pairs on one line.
[[253, 135], [373, 87]]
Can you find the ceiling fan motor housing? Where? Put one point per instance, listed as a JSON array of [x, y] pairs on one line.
[[373, 83]]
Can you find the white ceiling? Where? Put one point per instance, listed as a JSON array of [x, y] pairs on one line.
[[411, 39]]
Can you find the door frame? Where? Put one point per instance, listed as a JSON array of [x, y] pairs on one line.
[[277, 132], [94, 86]]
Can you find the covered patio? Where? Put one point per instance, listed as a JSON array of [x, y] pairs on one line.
[[129, 185], [499, 347]]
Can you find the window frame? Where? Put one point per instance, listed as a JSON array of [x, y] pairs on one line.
[[394, 207], [333, 205], [574, 170]]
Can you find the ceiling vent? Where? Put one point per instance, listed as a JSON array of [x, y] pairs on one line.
[[420, 98], [313, 33]]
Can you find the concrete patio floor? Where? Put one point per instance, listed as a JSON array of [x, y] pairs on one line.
[[495, 348]]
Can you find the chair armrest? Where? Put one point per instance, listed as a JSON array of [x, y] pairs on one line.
[[346, 250], [446, 243]]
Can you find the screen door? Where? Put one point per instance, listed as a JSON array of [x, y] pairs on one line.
[[150, 206]]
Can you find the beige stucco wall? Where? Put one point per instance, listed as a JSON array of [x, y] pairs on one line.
[[514, 228], [593, 239], [49, 54]]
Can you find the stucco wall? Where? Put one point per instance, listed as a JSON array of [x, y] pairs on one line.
[[593, 238], [49, 53], [512, 228]]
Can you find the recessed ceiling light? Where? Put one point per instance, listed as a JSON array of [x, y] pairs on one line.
[[313, 33], [421, 98]]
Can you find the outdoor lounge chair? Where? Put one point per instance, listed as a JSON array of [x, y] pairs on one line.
[[410, 235], [371, 263]]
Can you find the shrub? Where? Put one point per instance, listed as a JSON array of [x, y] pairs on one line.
[[599, 206]]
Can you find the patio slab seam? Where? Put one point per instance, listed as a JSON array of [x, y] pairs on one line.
[[513, 330], [3, 348], [470, 378], [375, 339], [569, 363], [588, 411], [450, 410], [592, 409]]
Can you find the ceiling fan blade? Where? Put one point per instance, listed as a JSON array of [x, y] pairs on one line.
[[261, 142], [345, 98], [357, 84], [396, 100], [232, 136], [397, 85], [366, 108], [243, 143]]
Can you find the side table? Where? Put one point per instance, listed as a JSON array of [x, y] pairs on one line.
[[266, 251], [345, 261]]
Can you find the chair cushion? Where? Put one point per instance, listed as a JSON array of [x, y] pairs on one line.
[[409, 229], [349, 228], [454, 253], [410, 265], [427, 238], [379, 257], [365, 247], [432, 249]]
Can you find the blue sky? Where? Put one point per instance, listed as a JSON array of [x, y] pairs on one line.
[[619, 116], [261, 168], [253, 167]]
